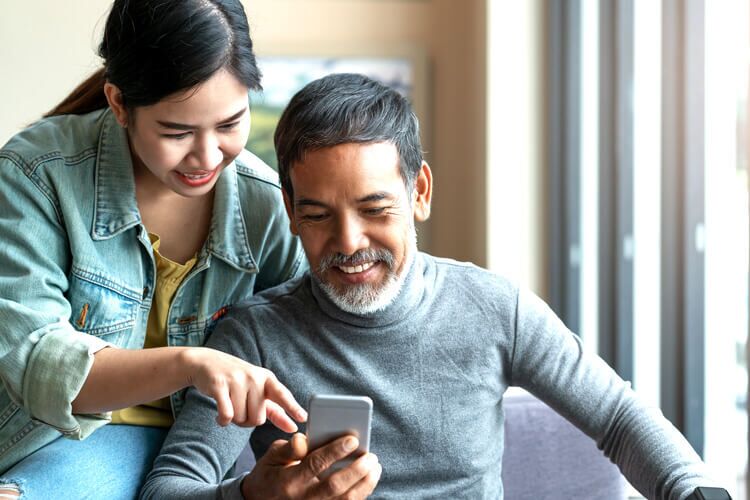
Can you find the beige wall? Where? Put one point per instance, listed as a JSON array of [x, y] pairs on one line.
[[45, 62], [451, 36], [46, 48]]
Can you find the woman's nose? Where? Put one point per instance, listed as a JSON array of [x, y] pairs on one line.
[[207, 152]]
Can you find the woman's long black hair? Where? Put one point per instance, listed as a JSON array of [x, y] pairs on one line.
[[154, 48]]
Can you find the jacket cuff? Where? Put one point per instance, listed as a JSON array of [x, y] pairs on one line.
[[59, 360]]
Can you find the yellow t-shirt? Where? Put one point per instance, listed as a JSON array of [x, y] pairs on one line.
[[169, 275]]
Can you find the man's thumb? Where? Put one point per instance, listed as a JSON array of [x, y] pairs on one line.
[[287, 452]]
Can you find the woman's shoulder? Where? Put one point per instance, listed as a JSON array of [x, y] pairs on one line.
[[256, 171], [53, 157], [256, 180], [63, 137]]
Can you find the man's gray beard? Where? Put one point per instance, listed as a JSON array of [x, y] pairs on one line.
[[366, 298]]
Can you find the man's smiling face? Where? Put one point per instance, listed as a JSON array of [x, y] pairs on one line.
[[355, 218]]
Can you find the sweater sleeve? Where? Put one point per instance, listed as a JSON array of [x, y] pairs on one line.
[[197, 453], [43, 359], [549, 361]]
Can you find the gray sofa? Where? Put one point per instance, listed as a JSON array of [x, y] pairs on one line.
[[546, 457]]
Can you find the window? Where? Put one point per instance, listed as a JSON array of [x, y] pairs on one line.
[[726, 239], [645, 181]]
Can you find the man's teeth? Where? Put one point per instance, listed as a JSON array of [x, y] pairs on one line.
[[356, 269]]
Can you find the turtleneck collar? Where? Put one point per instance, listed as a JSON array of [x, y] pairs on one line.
[[412, 290]]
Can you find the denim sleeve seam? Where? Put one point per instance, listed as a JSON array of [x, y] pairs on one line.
[[29, 172]]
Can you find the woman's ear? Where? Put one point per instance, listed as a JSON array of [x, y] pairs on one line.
[[422, 194], [114, 98]]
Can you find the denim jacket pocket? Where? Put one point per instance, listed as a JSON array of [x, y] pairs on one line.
[[101, 306]]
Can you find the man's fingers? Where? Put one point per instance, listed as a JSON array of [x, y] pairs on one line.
[[299, 446], [318, 461], [366, 485], [357, 480], [279, 394], [278, 417], [286, 452], [224, 407]]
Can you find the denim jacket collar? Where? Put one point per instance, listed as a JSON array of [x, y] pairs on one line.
[[227, 238], [116, 209]]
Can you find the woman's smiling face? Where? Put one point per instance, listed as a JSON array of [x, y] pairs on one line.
[[182, 143]]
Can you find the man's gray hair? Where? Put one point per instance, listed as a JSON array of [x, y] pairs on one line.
[[347, 108]]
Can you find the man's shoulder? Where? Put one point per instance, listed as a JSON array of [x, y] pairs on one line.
[[267, 314], [287, 296], [453, 265], [469, 273]]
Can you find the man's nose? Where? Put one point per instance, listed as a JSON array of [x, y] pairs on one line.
[[350, 235]]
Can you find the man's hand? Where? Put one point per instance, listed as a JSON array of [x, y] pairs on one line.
[[245, 394], [287, 471]]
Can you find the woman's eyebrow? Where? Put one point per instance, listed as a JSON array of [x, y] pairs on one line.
[[186, 126]]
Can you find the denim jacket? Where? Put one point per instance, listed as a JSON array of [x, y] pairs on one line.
[[77, 271]]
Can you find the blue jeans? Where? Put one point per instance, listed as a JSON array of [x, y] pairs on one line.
[[111, 463]]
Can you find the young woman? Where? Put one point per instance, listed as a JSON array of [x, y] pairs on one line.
[[132, 219]]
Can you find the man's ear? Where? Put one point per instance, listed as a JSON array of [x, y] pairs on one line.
[[422, 195], [290, 213], [115, 100]]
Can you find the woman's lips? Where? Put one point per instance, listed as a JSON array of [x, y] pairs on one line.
[[197, 178]]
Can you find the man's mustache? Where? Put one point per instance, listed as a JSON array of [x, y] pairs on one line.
[[356, 259]]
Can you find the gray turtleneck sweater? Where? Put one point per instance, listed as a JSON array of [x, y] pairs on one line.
[[436, 364]]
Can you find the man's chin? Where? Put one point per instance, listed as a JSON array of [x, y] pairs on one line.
[[354, 288], [364, 298], [361, 299]]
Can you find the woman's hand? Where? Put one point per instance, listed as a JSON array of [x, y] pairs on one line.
[[245, 394]]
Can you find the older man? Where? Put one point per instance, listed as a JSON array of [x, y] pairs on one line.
[[435, 343]]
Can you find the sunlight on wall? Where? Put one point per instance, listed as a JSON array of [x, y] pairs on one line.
[[589, 182], [514, 100], [647, 199]]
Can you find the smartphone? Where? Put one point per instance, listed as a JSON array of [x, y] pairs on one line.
[[333, 416]]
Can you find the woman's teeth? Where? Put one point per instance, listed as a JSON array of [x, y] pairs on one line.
[[356, 269], [195, 177]]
